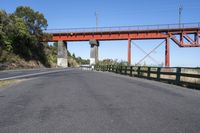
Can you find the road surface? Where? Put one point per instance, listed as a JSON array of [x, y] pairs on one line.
[[77, 101]]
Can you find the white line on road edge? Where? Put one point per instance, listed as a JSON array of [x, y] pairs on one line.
[[34, 74], [21, 70]]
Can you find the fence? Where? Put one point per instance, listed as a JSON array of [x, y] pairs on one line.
[[184, 76]]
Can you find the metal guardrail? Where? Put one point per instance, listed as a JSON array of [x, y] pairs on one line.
[[125, 28], [184, 76]]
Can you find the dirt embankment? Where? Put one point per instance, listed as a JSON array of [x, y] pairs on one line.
[[10, 61], [20, 65]]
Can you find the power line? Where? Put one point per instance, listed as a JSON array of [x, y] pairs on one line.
[[150, 52], [146, 53]]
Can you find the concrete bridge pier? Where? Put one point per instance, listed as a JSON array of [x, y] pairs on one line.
[[62, 54], [94, 51]]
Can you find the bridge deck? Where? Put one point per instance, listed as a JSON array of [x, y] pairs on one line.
[[125, 29]]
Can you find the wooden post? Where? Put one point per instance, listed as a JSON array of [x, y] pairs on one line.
[[138, 71], [131, 71], [158, 73], [178, 75], [149, 73], [125, 70]]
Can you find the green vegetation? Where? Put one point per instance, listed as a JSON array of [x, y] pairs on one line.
[[20, 33], [20, 36], [7, 82], [79, 60], [123, 63], [112, 62]]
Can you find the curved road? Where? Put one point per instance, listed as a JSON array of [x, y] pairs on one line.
[[78, 101]]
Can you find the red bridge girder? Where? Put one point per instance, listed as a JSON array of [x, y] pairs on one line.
[[106, 36], [183, 36]]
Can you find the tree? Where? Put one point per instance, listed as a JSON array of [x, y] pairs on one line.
[[20, 27], [21, 33], [29, 26], [34, 20], [73, 55], [5, 25]]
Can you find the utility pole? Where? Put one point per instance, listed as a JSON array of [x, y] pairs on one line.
[[97, 20], [180, 15]]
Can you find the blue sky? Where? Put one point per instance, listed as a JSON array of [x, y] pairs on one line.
[[81, 13]]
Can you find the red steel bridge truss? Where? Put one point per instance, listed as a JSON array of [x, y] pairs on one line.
[[184, 35]]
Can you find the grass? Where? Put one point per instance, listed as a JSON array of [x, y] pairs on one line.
[[6, 83]]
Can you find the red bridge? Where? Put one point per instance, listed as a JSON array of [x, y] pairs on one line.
[[184, 35]]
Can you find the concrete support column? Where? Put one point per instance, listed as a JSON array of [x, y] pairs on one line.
[[94, 51], [62, 54]]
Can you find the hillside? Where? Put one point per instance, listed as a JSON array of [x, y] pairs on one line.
[[21, 33]]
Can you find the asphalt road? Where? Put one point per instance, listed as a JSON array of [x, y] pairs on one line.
[[78, 101]]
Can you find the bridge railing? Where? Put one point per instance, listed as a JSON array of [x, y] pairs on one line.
[[184, 76], [125, 28]]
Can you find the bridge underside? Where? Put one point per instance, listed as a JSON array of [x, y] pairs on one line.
[[183, 37]]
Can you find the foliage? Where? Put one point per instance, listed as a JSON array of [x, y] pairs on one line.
[[112, 62], [20, 33], [82, 61], [20, 36], [51, 54], [34, 20], [5, 41]]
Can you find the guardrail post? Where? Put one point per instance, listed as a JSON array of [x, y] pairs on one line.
[[158, 73], [116, 69], [131, 70], [138, 71], [149, 72], [178, 75], [97, 68], [120, 69], [125, 70], [113, 68]]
